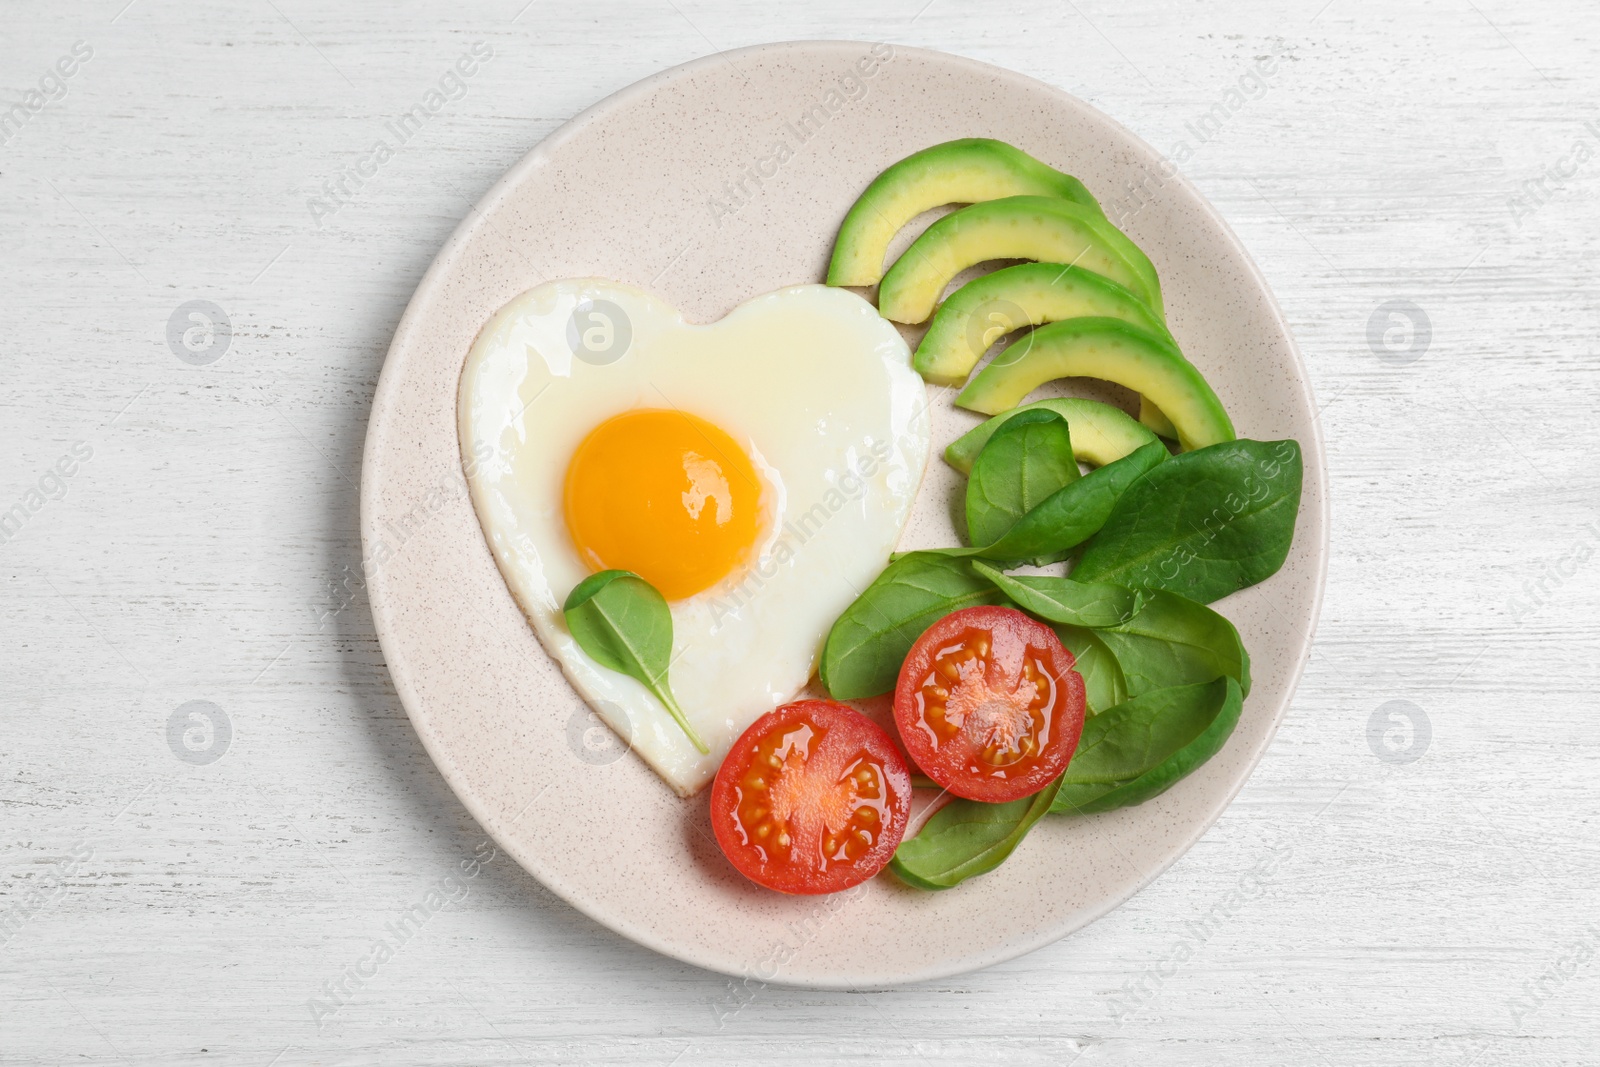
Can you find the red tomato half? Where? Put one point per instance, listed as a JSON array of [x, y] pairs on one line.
[[813, 798], [990, 704]]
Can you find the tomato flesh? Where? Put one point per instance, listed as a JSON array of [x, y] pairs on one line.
[[990, 704], [812, 798]]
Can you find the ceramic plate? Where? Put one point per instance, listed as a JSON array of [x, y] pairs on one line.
[[677, 185]]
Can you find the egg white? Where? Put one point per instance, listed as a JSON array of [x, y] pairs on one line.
[[813, 384]]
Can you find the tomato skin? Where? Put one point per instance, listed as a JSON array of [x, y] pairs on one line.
[[824, 780], [988, 730]]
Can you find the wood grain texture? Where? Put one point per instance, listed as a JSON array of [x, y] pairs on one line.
[[1347, 909]]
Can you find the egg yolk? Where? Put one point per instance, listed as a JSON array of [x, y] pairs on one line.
[[666, 495]]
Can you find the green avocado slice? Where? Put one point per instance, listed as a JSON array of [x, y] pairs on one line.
[[1153, 418], [1027, 294], [1100, 433], [967, 171], [1040, 228], [1112, 350]]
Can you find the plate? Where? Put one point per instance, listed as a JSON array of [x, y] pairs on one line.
[[709, 184]]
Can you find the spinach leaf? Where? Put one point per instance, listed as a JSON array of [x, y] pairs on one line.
[[1025, 461], [624, 624], [1062, 600], [1124, 743], [1154, 640], [1180, 764], [1174, 641], [1206, 524], [968, 837], [1103, 684], [1075, 512], [1070, 515], [1090, 799], [870, 640]]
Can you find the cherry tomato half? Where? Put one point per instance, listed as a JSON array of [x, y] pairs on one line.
[[813, 798], [990, 704]]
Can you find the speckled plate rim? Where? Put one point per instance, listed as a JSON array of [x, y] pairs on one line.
[[384, 616]]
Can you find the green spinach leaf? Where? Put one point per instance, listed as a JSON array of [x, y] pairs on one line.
[[968, 837], [1206, 524], [1070, 515], [1103, 683], [1026, 460], [624, 624], [1153, 640], [1086, 800], [870, 640], [1124, 743], [1062, 600], [1174, 641], [1178, 765], [1074, 513]]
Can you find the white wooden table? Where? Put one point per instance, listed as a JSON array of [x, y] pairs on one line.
[[1399, 883]]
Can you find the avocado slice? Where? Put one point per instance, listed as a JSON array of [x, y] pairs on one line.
[[1027, 294], [1041, 228], [1100, 433], [967, 171], [1113, 350], [1153, 417]]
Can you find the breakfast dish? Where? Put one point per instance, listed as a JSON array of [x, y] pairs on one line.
[[702, 574], [929, 538]]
